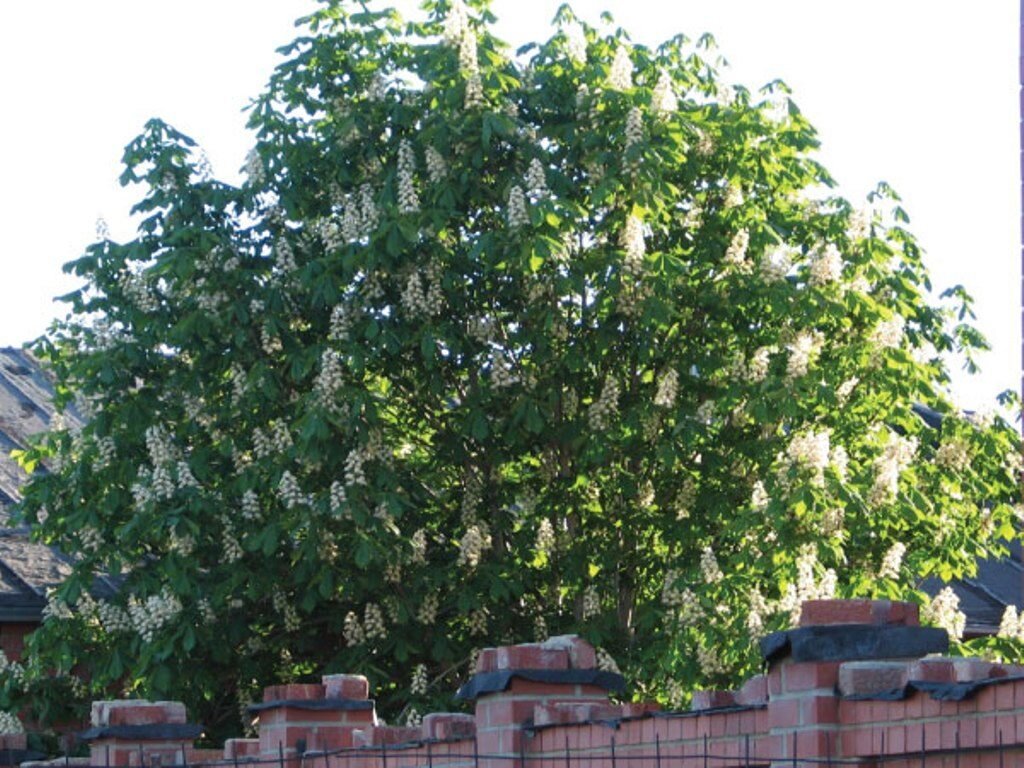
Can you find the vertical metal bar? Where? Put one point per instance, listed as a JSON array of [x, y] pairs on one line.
[[280, 754], [108, 756], [883, 743], [922, 746], [657, 750], [327, 760], [142, 757], [794, 749], [705, 750], [746, 750], [566, 750], [383, 756], [957, 737], [828, 748], [1000, 748], [613, 752], [476, 752], [522, 751], [430, 757]]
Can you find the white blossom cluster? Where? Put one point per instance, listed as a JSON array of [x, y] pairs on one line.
[[897, 454], [106, 452], [826, 266], [456, 22], [736, 253], [10, 724], [953, 454], [138, 292], [285, 609], [759, 608], [340, 324], [685, 498], [516, 214], [663, 96], [668, 389], [418, 544], [1012, 624], [253, 167], [113, 618], [233, 551], [590, 604], [420, 680], [374, 627], [393, 573], [544, 543], [437, 168], [844, 390], [477, 622], [575, 43], [469, 65], [90, 538], [290, 493], [361, 216], [427, 612], [776, 263], [500, 364], [759, 498], [757, 366], [420, 301], [944, 611], [408, 199], [329, 380], [620, 76], [149, 616], [832, 521], [604, 409], [279, 440], [705, 413], [55, 607], [733, 196], [631, 239], [892, 561], [810, 451], [474, 542], [250, 505], [803, 350], [284, 256], [12, 669], [352, 630], [540, 629], [709, 662], [807, 586], [860, 225], [683, 599], [709, 568], [634, 134], [888, 334], [605, 662]]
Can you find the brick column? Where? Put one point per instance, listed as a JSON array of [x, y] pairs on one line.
[[312, 717], [511, 682], [128, 731], [804, 666]]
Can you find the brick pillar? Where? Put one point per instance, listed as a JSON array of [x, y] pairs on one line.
[[130, 730], [512, 681], [804, 666], [298, 718]]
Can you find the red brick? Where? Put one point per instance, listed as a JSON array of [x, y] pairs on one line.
[[775, 680], [754, 691], [498, 712], [828, 612], [487, 660], [815, 743], [581, 653], [531, 656], [819, 710], [783, 713], [241, 748], [346, 687], [871, 677], [806, 676], [448, 725], [300, 691], [712, 700]]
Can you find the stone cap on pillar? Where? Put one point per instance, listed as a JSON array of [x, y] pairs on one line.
[[336, 692], [139, 719], [564, 659], [854, 630]]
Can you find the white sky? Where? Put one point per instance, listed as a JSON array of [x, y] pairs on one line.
[[920, 93]]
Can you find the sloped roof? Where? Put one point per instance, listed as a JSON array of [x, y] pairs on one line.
[[27, 569]]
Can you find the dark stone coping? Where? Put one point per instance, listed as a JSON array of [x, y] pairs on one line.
[[938, 691], [154, 732], [854, 642], [493, 682], [19, 756], [313, 704]]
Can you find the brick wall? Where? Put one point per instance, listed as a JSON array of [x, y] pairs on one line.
[[859, 682]]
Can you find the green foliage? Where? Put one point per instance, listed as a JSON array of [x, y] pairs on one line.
[[493, 345]]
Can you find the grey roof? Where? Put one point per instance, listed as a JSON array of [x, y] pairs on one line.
[[27, 569]]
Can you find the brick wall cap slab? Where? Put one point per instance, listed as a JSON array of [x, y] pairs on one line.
[[294, 691], [753, 691], [484, 683], [313, 704], [448, 725], [868, 678], [879, 612], [345, 687], [853, 642], [161, 732], [581, 653], [712, 700]]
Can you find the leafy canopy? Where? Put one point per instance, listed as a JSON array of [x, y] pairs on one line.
[[492, 345]]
